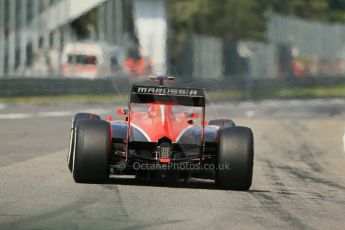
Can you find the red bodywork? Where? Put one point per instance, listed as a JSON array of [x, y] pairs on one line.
[[160, 122]]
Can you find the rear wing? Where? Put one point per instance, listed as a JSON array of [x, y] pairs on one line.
[[167, 95]]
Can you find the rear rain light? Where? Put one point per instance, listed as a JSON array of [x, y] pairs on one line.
[[164, 152]]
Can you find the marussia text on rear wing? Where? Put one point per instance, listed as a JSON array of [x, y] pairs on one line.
[[168, 95]]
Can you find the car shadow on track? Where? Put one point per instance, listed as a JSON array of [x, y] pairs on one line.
[[193, 183], [207, 184]]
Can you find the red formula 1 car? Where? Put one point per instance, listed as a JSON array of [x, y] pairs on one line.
[[163, 136]]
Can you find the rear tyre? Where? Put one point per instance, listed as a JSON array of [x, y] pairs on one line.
[[78, 117], [92, 151], [222, 122], [235, 158]]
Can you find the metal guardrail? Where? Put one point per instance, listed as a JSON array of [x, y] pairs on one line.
[[266, 83], [10, 87], [55, 86]]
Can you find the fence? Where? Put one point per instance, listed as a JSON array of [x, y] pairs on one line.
[[293, 48], [212, 58], [319, 47], [312, 39]]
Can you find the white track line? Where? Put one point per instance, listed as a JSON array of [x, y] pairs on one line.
[[98, 111], [11, 116], [55, 114], [344, 140], [250, 113]]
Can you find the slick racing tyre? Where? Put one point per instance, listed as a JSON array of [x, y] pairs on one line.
[[92, 151], [78, 117], [235, 158], [222, 122]]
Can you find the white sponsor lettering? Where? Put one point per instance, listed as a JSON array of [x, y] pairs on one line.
[[173, 91], [159, 90], [193, 92], [151, 90], [142, 90], [168, 91]]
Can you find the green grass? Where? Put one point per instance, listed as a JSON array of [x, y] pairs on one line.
[[228, 94], [335, 91], [283, 93], [65, 99]]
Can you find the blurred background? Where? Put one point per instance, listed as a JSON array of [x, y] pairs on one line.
[[276, 66], [250, 48]]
